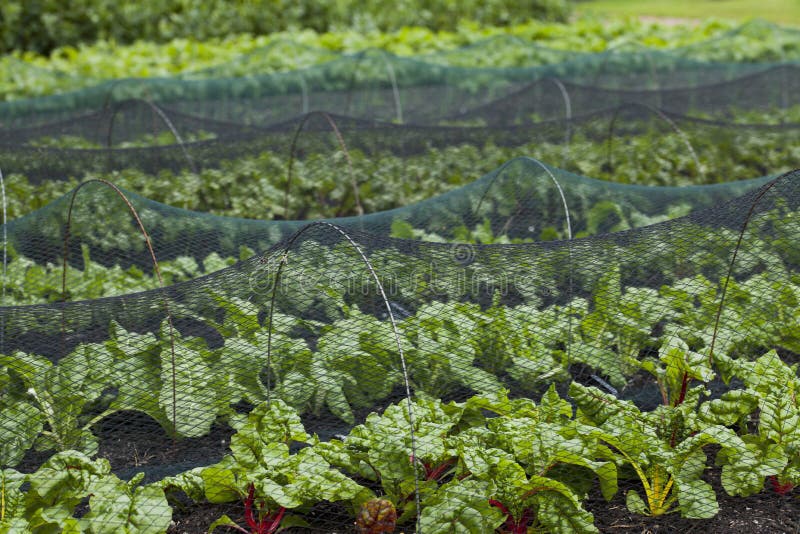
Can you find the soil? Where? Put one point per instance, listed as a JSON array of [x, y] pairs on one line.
[[133, 442], [763, 513]]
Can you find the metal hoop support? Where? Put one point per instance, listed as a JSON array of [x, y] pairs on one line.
[[398, 108], [547, 170], [404, 368], [395, 90], [342, 145], [5, 241], [5, 257], [156, 269], [161, 115], [728, 276], [304, 91], [569, 230], [567, 117], [660, 114]]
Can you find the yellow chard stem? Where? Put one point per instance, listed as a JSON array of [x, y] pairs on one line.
[[660, 502]]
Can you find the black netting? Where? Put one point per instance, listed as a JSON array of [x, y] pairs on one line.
[[377, 85], [380, 317], [376, 166]]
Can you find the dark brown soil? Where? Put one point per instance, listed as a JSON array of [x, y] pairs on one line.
[[134, 442], [763, 513]]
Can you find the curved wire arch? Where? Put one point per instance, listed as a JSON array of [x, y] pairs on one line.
[[404, 368]]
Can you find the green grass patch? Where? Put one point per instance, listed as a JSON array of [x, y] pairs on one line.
[[779, 11]]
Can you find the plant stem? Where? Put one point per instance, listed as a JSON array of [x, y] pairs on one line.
[[436, 473], [684, 388]]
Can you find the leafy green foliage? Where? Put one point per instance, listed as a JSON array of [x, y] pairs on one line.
[[528, 43], [661, 447], [385, 182], [348, 359], [768, 401], [39, 393], [69, 478], [523, 459], [261, 471], [28, 282], [33, 26]]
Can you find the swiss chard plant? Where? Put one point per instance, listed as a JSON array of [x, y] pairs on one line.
[[535, 501], [661, 446], [617, 327], [51, 406], [443, 349], [535, 464], [381, 450], [664, 446], [766, 414], [48, 499], [262, 472]]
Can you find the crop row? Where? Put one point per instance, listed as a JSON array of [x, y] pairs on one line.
[[456, 336], [478, 466], [160, 21], [526, 44], [322, 182], [102, 261]]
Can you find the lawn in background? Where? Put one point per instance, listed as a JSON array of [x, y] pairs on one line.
[[781, 11]]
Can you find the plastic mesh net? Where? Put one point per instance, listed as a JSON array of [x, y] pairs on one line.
[[378, 85], [406, 333]]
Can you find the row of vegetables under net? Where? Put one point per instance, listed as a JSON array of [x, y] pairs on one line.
[[376, 86], [521, 351], [676, 325]]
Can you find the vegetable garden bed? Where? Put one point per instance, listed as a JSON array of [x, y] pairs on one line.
[[531, 351]]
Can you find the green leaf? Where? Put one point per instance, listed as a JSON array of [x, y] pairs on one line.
[[220, 485], [553, 408], [597, 406], [119, 507], [697, 500], [26, 366], [460, 507], [268, 425], [66, 477], [315, 477], [402, 229], [560, 515], [189, 404], [223, 521], [743, 474], [20, 424], [292, 521], [605, 360], [729, 408], [241, 316], [12, 499], [680, 362], [770, 372], [480, 461], [635, 503], [779, 419], [190, 482]]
